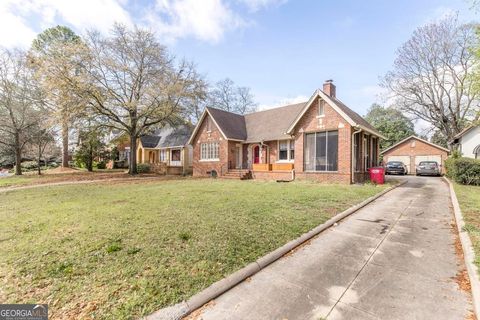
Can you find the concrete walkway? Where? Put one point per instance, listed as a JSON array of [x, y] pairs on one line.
[[393, 259]]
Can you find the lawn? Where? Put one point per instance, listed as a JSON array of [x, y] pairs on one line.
[[469, 199], [122, 250]]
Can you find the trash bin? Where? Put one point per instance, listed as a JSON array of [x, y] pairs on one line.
[[377, 175]]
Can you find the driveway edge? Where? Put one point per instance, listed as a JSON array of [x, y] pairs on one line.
[[184, 308], [468, 253]]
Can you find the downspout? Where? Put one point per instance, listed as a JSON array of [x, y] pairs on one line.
[[353, 152]]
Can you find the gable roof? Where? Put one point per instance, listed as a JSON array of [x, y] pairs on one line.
[[149, 141], [416, 138], [168, 136], [464, 131], [353, 118], [277, 123], [271, 124], [232, 125]]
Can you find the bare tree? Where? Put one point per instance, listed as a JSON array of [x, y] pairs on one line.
[[227, 96], [41, 138], [19, 103], [430, 80], [53, 58], [129, 80]]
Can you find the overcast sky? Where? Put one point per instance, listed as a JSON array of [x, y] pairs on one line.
[[283, 50]]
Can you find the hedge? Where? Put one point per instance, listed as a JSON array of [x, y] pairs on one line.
[[463, 170], [143, 168]]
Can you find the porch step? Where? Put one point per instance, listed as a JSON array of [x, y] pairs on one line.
[[238, 174]]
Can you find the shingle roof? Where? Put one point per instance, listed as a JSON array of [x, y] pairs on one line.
[[168, 136], [231, 124], [353, 115], [464, 131], [271, 124], [149, 141]]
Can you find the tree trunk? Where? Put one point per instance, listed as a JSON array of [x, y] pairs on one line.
[[18, 156], [132, 168], [90, 160], [65, 144], [39, 157]]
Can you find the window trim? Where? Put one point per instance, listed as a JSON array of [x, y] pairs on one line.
[[326, 150], [208, 151], [321, 106], [289, 158]]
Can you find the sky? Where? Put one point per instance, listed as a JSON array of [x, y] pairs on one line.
[[282, 49]]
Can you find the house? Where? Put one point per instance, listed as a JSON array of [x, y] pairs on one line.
[[166, 150], [321, 139], [412, 150], [468, 142]]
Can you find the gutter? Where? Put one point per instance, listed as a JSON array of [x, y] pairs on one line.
[[353, 151]]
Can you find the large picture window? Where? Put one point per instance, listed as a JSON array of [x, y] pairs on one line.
[[321, 151], [209, 151]]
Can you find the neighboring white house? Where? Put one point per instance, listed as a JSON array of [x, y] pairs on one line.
[[468, 142]]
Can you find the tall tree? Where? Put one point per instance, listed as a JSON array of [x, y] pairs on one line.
[[19, 103], [52, 55], [131, 82], [391, 123], [227, 96], [430, 80]]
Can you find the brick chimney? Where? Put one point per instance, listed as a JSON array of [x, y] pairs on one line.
[[329, 88]]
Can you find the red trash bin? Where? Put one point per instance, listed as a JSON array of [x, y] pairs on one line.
[[377, 175]]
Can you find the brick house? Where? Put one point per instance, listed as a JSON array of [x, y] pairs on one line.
[[321, 139], [412, 150]]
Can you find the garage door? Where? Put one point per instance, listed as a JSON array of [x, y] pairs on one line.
[[404, 159], [436, 158]]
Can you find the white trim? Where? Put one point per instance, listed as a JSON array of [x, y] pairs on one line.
[[324, 96], [197, 127], [419, 139], [209, 160], [289, 157]]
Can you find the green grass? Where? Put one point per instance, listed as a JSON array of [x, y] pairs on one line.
[[14, 180], [124, 250], [469, 199]]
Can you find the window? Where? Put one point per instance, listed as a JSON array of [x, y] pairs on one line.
[[176, 155], [209, 151], [321, 108], [357, 152], [286, 150], [163, 155], [321, 151], [283, 150]]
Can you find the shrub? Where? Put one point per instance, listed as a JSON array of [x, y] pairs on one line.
[[101, 165], [29, 165], [143, 168], [463, 170]]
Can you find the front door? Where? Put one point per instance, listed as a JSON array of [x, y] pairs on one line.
[[256, 154]]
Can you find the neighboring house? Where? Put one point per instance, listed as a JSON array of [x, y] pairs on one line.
[[468, 142], [321, 139], [412, 150], [167, 149]]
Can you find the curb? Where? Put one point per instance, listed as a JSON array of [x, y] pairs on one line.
[[468, 253], [184, 308]]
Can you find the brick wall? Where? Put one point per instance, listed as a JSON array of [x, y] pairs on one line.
[[419, 148], [331, 121], [200, 168]]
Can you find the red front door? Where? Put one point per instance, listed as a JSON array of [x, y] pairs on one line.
[[256, 154]]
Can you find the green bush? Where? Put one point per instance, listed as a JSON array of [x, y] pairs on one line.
[[463, 170], [101, 165], [29, 165], [143, 168]]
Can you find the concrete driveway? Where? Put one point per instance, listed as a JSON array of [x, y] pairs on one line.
[[393, 259]]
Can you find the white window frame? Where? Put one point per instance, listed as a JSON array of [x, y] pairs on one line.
[[289, 157], [175, 163], [210, 151], [163, 155], [321, 107]]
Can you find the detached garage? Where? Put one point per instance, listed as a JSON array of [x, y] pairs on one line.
[[412, 150]]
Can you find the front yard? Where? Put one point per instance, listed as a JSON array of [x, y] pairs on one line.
[[127, 249], [469, 199]]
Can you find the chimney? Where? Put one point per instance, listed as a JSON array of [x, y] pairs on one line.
[[329, 88]]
